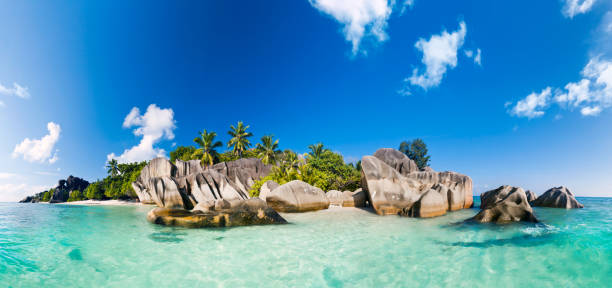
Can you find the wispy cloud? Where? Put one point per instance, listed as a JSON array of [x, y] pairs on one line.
[[40, 150], [439, 55], [154, 125], [532, 106], [12, 192], [16, 90], [575, 7]]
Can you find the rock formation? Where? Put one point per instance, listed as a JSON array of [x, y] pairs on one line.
[[504, 205], [266, 188], [185, 184], [530, 196], [61, 192], [246, 212], [346, 198], [297, 196], [558, 197], [394, 185]]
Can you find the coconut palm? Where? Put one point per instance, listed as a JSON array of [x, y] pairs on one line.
[[317, 150], [113, 167], [206, 153], [267, 149], [239, 140]]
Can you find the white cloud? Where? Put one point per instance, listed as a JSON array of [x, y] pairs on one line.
[[4, 175], [16, 90], [590, 111], [477, 57], [532, 105], [360, 18], [39, 150], [154, 125], [2, 104], [11, 192], [575, 7], [439, 54], [592, 94]]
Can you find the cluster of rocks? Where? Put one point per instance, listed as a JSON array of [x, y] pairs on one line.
[[218, 196], [512, 204], [395, 186], [61, 192]]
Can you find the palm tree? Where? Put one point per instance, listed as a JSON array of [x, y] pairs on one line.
[[317, 150], [206, 153], [267, 149], [239, 140], [113, 167]]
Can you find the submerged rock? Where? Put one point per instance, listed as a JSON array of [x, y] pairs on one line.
[[505, 204], [558, 197], [297, 196], [246, 212], [393, 186]]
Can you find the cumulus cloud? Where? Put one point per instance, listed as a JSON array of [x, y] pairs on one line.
[[575, 7], [590, 95], [16, 90], [439, 55], [154, 125], [360, 18], [40, 150], [532, 105]]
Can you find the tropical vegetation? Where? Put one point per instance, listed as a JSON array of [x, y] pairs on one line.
[[417, 151]]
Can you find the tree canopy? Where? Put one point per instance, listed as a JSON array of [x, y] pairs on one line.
[[417, 151]]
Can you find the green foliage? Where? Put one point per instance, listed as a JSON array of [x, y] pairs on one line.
[[95, 190], [239, 141], [47, 195], [417, 151], [116, 187], [325, 170], [267, 149], [231, 156], [184, 153], [207, 152], [76, 195], [316, 150]]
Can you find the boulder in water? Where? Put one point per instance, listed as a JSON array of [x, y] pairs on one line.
[[505, 204], [558, 197]]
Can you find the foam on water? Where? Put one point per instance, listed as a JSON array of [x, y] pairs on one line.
[[63, 246]]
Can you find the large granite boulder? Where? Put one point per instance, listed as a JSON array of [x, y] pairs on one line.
[[210, 185], [530, 196], [297, 196], [505, 204], [243, 172], [242, 213], [157, 185], [396, 159], [558, 197], [347, 198], [266, 188], [184, 168], [393, 187]]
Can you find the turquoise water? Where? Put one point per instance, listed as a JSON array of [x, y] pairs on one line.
[[45, 245]]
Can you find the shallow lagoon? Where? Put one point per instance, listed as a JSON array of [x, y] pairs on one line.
[[44, 245]]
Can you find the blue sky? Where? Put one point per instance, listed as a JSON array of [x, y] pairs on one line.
[[513, 92]]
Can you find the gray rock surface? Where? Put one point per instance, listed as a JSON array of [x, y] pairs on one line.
[[242, 213], [558, 197], [266, 188], [396, 159], [297, 196], [243, 172], [393, 187], [505, 204], [530, 196]]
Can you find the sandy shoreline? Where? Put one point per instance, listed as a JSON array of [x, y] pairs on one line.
[[105, 203]]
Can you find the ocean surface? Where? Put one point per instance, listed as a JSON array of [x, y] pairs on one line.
[[43, 245]]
